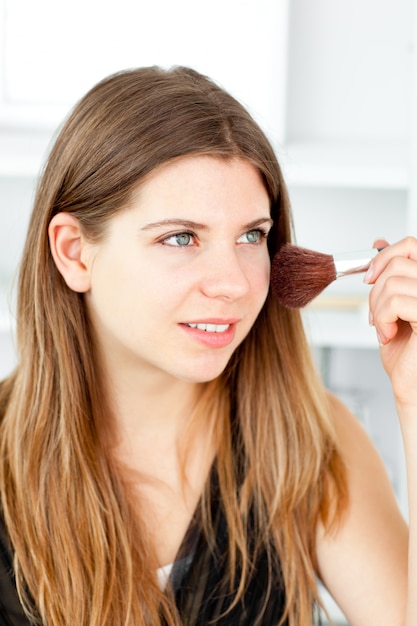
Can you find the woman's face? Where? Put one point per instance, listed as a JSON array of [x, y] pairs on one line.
[[181, 275]]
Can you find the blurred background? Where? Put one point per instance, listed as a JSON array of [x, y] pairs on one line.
[[333, 84]]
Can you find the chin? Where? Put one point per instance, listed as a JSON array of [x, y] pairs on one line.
[[202, 369], [202, 375], [195, 378]]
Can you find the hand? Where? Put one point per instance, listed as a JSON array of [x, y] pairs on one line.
[[393, 312]]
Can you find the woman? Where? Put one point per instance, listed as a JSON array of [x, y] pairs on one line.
[[168, 453]]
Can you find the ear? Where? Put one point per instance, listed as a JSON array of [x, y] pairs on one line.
[[68, 251]]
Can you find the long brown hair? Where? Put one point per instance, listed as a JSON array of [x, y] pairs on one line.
[[81, 555]]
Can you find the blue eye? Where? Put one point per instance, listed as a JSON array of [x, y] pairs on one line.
[[179, 239], [252, 236]]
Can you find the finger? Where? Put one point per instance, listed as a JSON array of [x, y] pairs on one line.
[[380, 243], [406, 248], [398, 278], [396, 268], [397, 301], [387, 325]]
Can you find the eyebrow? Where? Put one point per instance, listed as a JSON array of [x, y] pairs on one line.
[[182, 223]]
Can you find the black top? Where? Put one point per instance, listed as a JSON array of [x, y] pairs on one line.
[[11, 612], [201, 584], [198, 577]]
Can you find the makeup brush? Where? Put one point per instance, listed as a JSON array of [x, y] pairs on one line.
[[299, 275]]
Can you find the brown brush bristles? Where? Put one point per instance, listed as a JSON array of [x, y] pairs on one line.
[[299, 275]]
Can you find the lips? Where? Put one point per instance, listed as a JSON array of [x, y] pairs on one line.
[[214, 333]]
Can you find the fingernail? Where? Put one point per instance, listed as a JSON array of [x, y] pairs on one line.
[[369, 275], [370, 318], [381, 339]]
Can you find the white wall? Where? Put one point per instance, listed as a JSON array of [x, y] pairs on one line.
[[54, 51]]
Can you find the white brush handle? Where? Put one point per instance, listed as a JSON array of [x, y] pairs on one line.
[[354, 262]]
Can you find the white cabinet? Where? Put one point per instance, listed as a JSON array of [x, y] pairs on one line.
[[350, 143], [349, 153]]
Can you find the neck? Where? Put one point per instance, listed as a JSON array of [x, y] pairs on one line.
[[152, 419]]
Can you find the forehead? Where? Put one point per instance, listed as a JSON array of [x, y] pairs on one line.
[[203, 182]]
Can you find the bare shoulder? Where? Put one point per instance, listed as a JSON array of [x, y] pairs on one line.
[[365, 558], [360, 453]]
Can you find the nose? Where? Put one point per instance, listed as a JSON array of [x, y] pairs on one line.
[[225, 276]]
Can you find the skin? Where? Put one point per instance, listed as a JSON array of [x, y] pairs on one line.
[[191, 225], [364, 562], [189, 250], [386, 551], [393, 312]]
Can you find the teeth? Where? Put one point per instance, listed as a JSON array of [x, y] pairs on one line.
[[210, 328]]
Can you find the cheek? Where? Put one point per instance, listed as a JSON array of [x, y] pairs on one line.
[[259, 280], [260, 276]]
